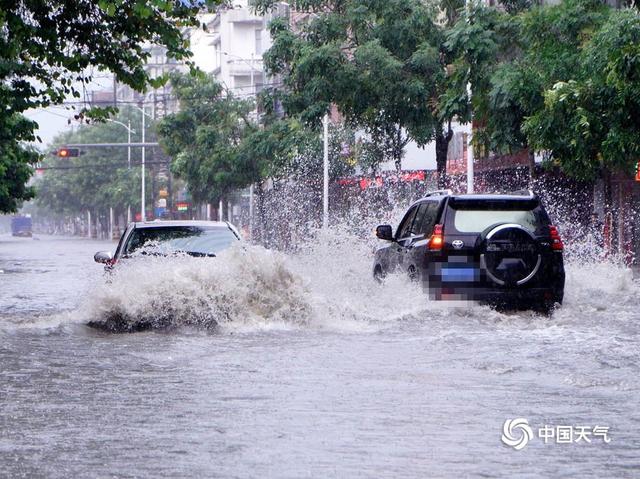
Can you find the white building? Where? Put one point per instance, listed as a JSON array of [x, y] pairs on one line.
[[160, 101], [233, 46]]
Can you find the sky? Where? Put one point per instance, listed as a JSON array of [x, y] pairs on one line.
[[55, 119]]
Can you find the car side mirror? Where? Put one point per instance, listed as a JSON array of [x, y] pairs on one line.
[[103, 257], [385, 232]]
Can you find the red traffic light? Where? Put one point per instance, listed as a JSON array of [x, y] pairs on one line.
[[68, 152]]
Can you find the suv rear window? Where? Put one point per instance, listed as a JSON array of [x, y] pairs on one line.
[[476, 216], [473, 221]]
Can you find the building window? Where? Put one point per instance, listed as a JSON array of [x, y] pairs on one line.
[[258, 49], [217, 60]]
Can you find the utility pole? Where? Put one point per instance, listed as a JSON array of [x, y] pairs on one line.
[[325, 199], [110, 223], [129, 141], [251, 212], [470, 137], [470, 161], [253, 89], [115, 91], [142, 205], [129, 163]]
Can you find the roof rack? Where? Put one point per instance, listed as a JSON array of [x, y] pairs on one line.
[[524, 193], [439, 193]]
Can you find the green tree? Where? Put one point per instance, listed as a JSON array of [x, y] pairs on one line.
[[287, 149], [381, 62], [482, 42], [15, 161], [46, 47], [203, 138], [511, 60], [101, 177], [590, 121]]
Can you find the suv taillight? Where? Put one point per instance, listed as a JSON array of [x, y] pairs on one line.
[[436, 241], [556, 241]]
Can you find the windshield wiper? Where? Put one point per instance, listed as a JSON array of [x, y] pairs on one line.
[[195, 254]]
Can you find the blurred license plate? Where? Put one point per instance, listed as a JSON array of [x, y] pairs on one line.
[[459, 274]]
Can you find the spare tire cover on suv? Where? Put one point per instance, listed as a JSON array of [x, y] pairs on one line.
[[510, 254]]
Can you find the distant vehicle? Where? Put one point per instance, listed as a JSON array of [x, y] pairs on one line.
[[496, 249], [21, 226], [168, 238]]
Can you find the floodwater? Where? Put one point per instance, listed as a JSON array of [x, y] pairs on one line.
[[301, 366]]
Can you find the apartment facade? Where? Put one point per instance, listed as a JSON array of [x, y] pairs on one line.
[[232, 47]]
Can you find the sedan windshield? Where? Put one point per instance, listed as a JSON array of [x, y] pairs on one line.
[[192, 240]]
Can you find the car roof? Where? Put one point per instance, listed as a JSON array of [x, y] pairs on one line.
[[523, 195], [495, 196], [169, 223], [514, 195]]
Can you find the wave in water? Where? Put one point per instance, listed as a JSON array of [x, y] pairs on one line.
[[326, 284]]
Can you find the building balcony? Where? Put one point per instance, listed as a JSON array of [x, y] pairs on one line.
[[243, 16], [244, 67]]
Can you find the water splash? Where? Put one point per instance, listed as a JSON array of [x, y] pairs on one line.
[[243, 284], [325, 281], [328, 283]]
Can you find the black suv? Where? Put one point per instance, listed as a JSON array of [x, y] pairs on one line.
[[496, 249]]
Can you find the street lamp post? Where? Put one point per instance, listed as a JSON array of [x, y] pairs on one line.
[[143, 216], [129, 132]]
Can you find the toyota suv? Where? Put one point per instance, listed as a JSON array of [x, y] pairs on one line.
[[499, 249]]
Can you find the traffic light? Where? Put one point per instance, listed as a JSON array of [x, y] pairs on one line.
[[68, 152], [638, 171]]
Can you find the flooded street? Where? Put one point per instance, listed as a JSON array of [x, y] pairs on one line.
[[302, 366]]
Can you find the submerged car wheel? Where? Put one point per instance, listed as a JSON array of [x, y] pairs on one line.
[[413, 273], [378, 274], [544, 307]]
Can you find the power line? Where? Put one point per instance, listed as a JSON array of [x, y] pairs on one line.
[[46, 110], [172, 96], [108, 165]]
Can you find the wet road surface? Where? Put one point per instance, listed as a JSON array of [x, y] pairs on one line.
[[312, 371]]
